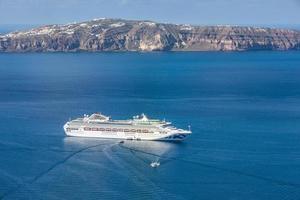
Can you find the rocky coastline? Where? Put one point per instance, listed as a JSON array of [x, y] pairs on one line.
[[128, 35]]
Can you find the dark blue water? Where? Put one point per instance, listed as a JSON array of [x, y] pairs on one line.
[[244, 109]]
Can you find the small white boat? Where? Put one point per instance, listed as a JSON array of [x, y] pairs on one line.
[[155, 164]]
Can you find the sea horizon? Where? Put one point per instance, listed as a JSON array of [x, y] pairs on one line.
[[7, 28]]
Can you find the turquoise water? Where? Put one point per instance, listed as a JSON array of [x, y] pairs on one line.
[[244, 109]]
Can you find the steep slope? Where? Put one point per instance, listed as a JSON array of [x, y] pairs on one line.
[[127, 35]]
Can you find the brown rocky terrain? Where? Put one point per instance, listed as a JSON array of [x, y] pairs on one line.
[[127, 35]]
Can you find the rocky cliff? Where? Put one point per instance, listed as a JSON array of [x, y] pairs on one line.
[[127, 35]]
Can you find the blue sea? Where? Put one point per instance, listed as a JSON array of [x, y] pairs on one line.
[[243, 108]]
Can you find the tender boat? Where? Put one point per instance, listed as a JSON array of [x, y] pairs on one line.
[[155, 164]]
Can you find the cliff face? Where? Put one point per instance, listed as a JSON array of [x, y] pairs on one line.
[[126, 35]]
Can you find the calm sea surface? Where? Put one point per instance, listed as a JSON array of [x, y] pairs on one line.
[[244, 109]]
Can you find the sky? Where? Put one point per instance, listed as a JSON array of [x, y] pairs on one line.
[[197, 12]]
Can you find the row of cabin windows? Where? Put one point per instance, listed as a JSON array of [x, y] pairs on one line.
[[117, 130], [72, 129], [114, 130]]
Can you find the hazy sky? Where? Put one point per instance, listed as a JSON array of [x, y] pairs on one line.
[[243, 12]]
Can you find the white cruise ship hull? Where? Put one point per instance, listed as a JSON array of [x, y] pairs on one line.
[[172, 136], [138, 128]]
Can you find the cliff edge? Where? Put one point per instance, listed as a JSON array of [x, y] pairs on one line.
[[128, 35]]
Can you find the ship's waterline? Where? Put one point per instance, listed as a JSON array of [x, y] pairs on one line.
[[138, 128]]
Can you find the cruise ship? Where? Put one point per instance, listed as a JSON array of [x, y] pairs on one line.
[[138, 128]]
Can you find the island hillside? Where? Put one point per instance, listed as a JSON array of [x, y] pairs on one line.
[[129, 35]]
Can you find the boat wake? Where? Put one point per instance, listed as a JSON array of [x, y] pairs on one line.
[[232, 171], [44, 173]]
